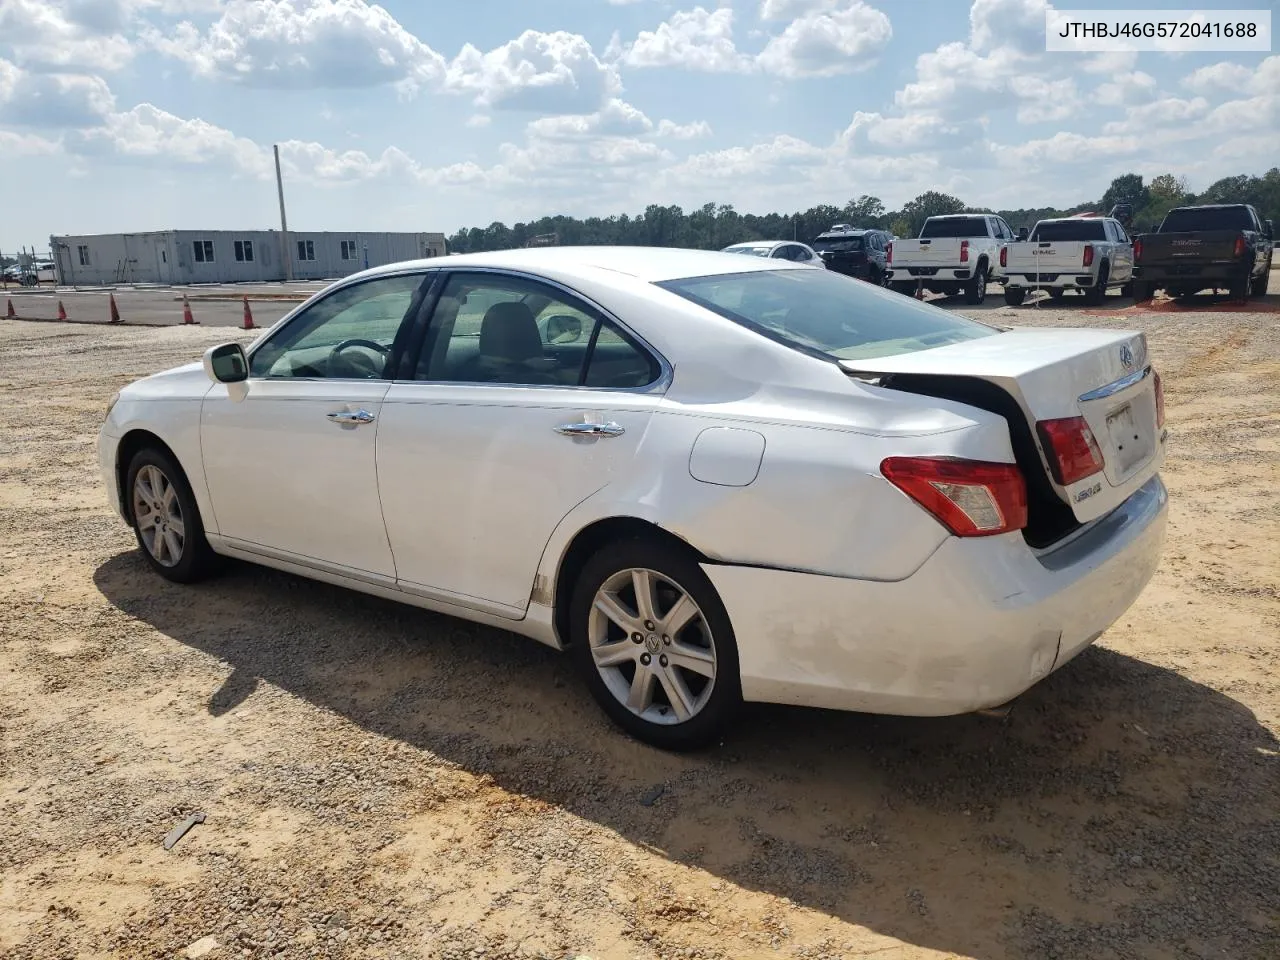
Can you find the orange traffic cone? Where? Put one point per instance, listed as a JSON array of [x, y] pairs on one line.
[[248, 315], [9, 314], [187, 318], [62, 313], [115, 311]]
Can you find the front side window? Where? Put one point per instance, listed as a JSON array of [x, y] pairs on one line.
[[203, 250], [828, 314], [306, 250], [489, 328], [347, 335]]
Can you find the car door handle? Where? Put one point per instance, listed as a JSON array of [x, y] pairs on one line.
[[351, 416], [607, 429]]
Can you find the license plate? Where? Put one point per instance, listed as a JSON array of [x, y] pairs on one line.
[[1126, 439]]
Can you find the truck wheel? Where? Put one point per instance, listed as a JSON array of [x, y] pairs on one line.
[[1098, 292], [975, 291], [1127, 289], [1142, 291], [1239, 289], [905, 287], [1260, 285], [1014, 296]]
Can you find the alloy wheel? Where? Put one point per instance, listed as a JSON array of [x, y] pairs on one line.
[[158, 514], [652, 646]]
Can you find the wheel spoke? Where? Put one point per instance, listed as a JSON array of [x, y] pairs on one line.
[[641, 696], [642, 583], [168, 497], [614, 654], [175, 524], [158, 545], [678, 693], [678, 617], [146, 521], [173, 545], [696, 659], [611, 607]]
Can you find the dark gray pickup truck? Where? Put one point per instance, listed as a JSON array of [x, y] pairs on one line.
[[1195, 248]]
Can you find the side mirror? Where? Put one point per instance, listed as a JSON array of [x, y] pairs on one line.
[[563, 328], [1022, 233], [226, 363]]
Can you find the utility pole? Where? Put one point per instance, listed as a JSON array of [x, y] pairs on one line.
[[285, 258]]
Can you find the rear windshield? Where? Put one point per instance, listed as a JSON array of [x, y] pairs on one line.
[[837, 244], [1065, 230], [1207, 218], [956, 227], [748, 248], [826, 313]]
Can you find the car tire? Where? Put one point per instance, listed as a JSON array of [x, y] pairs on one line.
[[1240, 286], [975, 291], [1127, 289], [1015, 296], [170, 532], [705, 642], [1142, 291], [1096, 294], [1261, 284]]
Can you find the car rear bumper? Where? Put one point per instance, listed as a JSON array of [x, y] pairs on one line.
[[1065, 281], [979, 623], [1186, 272]]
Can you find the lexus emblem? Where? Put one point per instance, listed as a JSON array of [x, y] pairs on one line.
[[1126, 356]]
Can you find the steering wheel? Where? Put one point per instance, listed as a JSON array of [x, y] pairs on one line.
[[370, 370]]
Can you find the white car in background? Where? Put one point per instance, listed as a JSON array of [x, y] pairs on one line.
[[713, 478], [779, 250]]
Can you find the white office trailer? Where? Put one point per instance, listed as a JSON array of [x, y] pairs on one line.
[[230, 256]]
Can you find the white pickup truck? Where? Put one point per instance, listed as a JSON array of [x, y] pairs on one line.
[[953, 253], [1087, 253]]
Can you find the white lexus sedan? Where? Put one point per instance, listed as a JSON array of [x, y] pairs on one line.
[[711, 478], [780, 250]]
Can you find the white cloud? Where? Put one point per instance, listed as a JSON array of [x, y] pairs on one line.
[[696, 39], [13, 144], [684, 131], [148, 133], [302, 44], [1160, 113], [1126, 89], [479, 121], [616, 118], [81, 35], [1225, 77], [51, 100], [871, 133], [1008, 25], [546, 72], [828, 42]]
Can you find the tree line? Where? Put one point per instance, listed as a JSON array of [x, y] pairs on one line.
[[713, 226]]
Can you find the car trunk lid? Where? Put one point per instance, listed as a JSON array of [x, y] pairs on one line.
[[1039, 375]]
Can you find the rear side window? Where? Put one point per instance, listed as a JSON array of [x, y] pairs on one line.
[[1067, 230], [842, 245], [954, 227], [1207, 218]]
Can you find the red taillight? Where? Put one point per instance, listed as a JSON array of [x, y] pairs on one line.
[[971, 498], [964, 251], [1088, 255], [1159, 385], [1072, 451], [1137, 250], [1238, 250], [1004, 256], [889, 255]]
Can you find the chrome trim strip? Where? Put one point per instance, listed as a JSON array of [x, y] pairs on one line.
[[1115, 386]]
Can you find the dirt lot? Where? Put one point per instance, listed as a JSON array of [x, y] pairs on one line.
[[382, 782]]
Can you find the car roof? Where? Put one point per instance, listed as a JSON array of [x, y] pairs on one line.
[[849, 232], [650, 264]]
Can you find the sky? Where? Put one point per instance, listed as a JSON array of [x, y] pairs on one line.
[[419, 115]]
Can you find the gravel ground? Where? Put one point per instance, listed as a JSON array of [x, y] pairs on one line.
[[383, 782]]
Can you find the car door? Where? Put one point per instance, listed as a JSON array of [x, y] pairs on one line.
[[290, 467], [525, 401], [1121, 253]]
